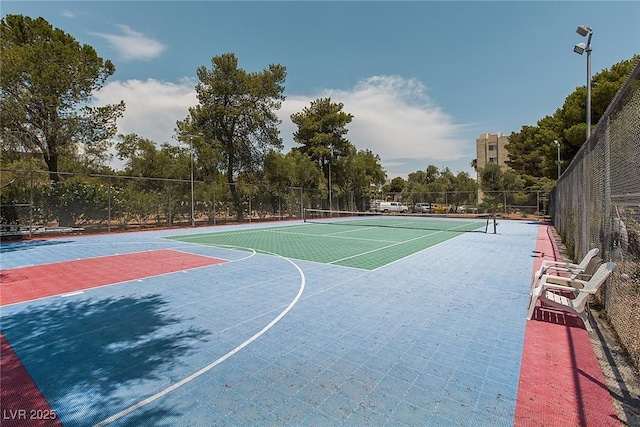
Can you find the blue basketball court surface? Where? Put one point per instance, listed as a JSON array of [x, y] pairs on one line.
[[434, 337]]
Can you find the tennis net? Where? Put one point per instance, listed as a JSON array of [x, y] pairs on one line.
[[478, 223]]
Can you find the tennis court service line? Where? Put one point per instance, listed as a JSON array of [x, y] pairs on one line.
[[215, 363], [384, 247], [333, 235]]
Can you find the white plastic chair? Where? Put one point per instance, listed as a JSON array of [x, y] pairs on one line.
[[565, 268], [547, 292]]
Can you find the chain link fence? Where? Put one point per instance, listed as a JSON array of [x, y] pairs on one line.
[[516, 204], [597, 204], [30, 202]]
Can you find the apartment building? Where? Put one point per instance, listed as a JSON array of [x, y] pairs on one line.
[[490, 148]]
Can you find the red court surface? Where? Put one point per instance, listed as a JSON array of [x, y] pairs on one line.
[[29, 283], [561, 382], [21, 402]]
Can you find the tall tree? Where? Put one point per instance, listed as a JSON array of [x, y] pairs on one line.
[[293, 169], [421, 182], [144, 159], [46, 84], [496, 179], [463, 191], [532, 151], [321, 131], [396, 185], [364, 171], [425, 177], [236, 115]]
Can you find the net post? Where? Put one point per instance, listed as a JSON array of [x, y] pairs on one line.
[[495, 223]]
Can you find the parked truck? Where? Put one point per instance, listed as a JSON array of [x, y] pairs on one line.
[[392, 207]]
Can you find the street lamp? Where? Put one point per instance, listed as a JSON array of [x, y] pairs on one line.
[[558, 146], [584, 31]]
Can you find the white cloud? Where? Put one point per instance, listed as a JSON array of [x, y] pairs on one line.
[[393, 117], [153, 106], [68, 14], [132, 45]]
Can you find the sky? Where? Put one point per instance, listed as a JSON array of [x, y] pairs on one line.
[[423, 79]]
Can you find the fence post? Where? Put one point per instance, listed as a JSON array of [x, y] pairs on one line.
[[31, 205], [109, 207], [504, 198], [606, 203]]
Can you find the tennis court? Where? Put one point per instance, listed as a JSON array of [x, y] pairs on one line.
[[367, 242], [286, 324]]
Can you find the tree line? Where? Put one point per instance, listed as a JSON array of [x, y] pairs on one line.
[[46, 88], [47, 82]]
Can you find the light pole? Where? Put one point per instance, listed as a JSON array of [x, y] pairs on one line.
[[193, 215], [584, 31], [558, 146], [330, 203]]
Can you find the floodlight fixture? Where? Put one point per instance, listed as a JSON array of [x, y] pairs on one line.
[[584, 30], [580, 48]]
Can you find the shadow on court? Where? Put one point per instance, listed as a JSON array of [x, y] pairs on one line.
[[24, 245], [92, 359], [541, 314]]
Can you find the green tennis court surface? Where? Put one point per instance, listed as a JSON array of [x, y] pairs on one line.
[[366, 247]]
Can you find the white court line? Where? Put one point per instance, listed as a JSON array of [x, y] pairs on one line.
[[390, 246], [216, 362], [206, 256], [384, 247], [139, 279], [97, 257], [415, 253], [71, 294], [333, 235]]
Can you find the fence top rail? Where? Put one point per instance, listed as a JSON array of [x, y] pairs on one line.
[[622, 92], [97, 175]]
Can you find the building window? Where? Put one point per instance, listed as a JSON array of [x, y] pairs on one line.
[[493, 147], [493, 160]]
